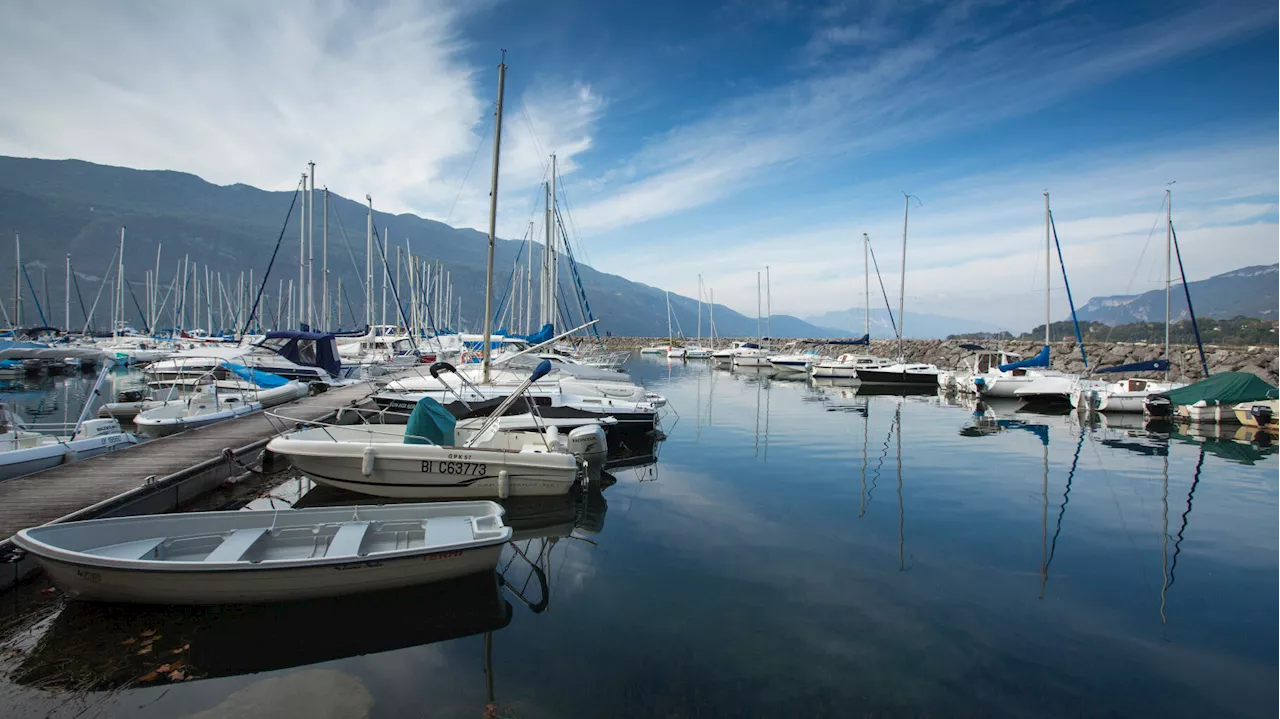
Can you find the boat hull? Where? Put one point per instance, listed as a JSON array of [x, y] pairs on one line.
[[923, 380], [165, 427]]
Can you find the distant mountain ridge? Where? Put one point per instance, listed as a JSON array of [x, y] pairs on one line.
[[1246, 292], [63, 207], [852, 322]]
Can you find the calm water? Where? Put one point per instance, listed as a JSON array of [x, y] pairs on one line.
[[794, 551]]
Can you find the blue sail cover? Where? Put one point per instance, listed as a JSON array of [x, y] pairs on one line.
[[266, 380], [1160, 365], [1040, 360]]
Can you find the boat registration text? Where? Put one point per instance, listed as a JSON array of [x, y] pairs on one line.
[[469, 469]]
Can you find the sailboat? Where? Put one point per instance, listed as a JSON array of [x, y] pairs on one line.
[[750, 354], [1130, 395], [846, 365], [1030, 378], [697, 351], [673, 352], [902, 374]]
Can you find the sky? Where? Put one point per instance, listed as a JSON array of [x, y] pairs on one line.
[[710, 138]]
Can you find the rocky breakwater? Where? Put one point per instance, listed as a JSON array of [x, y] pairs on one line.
[[1261, 360]]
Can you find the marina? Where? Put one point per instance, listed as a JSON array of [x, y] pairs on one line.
[[898, 539]]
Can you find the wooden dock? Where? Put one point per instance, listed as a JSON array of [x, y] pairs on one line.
[[90, 487]]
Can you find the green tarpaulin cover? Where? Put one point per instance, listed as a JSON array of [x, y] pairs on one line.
[[430, 423], [1224, 388]]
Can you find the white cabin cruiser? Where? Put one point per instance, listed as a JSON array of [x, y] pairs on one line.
[[1126, 395], [846, 366], [23, 451], [798, 362], [303, 356]]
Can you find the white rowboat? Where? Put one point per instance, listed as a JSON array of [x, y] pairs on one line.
[[267, 556]]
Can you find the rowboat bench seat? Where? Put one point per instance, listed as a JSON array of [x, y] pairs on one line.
[[444, 531], [138, 549], [233, 548], [346, 542]]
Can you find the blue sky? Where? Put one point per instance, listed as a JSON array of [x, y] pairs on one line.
[[711, 138]]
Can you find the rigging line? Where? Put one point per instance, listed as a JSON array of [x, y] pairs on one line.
[[76, 281], [141, 315], [1062, 511], [884, 454], [466, 176], [537, 146], [568, 208], [887, 306], [276, 251], [1128, 289]]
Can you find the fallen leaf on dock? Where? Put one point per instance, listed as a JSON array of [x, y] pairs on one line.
[[147, 633], [163, 669], [178, 650], [49, 590], [149, 677], [176, 676], [129, 641], [144, 650]]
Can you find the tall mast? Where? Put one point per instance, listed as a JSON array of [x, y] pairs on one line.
[[554, 289], [324, 263], [759, 332], [713, 318], [119, 285], [493, 217], [544, 280], [866, 285], [699, 310], [302, 253], [386, 232], [44, 279], [902, 279], [768, 303], [368, 264], [1048, 248], [155, 288], [17, 280], [1168, 270], [67, 295], [311, 243], [668, 294]]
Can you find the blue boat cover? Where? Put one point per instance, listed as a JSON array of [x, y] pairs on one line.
[[1159, 365], [266, 380], [312, 349], [10, 363], [430, 423], [1040, 360]]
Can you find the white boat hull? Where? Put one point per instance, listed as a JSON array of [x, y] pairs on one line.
[[155, 560], [153, 424], [19, 462]]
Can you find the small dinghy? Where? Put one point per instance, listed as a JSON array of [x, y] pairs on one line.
[[267, 556]]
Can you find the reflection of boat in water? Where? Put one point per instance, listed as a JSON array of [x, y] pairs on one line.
[[98, 646]]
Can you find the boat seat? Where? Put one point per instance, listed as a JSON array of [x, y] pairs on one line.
[[447, 530], [346, 543], [234, 547], [139, 549]]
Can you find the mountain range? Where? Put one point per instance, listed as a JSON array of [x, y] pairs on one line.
[[62, 207], [1246, 292], [918, 325]]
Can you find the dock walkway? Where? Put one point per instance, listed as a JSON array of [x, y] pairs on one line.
[[71, 488]]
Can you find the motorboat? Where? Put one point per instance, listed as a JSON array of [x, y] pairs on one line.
[[302, 356], [797, 362], [267, 555], [382, 350], [900, 374], [677, 353], [573, 379], [983, 362], [846, 366], [1211, 400], [1047, 389], [697, 352], [655, 350], [23, 451], [751, 355], [1126, 395], [428, 458], [207, 406], [1264, 414]]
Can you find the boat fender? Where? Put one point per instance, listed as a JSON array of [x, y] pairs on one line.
[[504, 484], [366, 462]]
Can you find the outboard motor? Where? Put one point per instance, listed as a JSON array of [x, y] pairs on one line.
[[1262, 413], [588, 442], [1158, 405]]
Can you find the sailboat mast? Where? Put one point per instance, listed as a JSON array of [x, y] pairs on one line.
[[866, 285], [902, 279], [155, 288], [1168, 271], [712, 313], [17, 280], [324, 263], [66, 301], [302, 253], [311, 244], [1048, 248], [368, 264], [758, 333], [544, 280], [119, 288], [768, 303], [493, 217], [554, 289], [699, 310]]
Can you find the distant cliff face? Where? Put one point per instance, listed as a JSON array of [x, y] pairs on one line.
[[1247, 292]]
